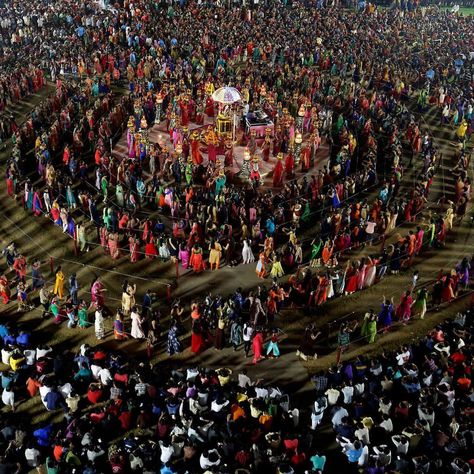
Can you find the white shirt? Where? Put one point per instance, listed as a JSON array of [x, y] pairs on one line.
[[42, 352], [95, 369], [191, 374], [369, 228], [218, 407], [403, 357], [244, 380], [247, 332], [402, 448], [166, 452], [387, 425], [6, 354], [333, 395], [105, 376], [8, 397], [362, 434], [338, 416], [43, 390], [92, 454], [261, 392], [65, 390], [384, 407], [192, 433], [32, 456], [359, 388], [83, 349], [204, 461], [348, 392], [376, 370], [30, 356]]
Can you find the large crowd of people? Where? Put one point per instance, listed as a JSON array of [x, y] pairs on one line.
[[155, 202], [121, 415], [353, 157], [409, 410]]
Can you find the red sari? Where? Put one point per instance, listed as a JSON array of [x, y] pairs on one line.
[[209, 107], [196, 261], [305, 159], [289, 164], [278, 174], [403, 310], [150, 249], [195, 153], [211, 152], [257, 347], [197, 342], [351, 286], [10, 186], [266, 150], [448, 292]]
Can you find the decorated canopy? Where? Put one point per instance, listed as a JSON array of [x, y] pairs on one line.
[[226, 95]]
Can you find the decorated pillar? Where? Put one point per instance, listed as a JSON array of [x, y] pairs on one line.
[[298, 142], [255, 174], [159, 104], [245, 171]]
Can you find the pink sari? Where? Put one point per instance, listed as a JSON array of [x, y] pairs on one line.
[[103, 238], [113, 246], [96, 294], [184, 257]]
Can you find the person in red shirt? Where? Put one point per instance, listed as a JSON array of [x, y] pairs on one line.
[[458, 358], [32, 386], [463, 383], [125, 419], [94, 393]]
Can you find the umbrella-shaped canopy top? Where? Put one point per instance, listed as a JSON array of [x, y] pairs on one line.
[[226, 95]]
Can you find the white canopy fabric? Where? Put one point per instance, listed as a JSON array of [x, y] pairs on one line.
[[226, 95]]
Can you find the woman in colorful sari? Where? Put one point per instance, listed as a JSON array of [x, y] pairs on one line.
[[272, 348], [82, 320], [183, 255], [196, 260], [174, 345], [113, 243], [327, 251], [134, 247], [59, 283], [215, 251], [372, 329], [403, 311], [99, 324], [197, 339], [97, 290], [260, 269], [419, 306], [315, 252], [257, 346], [369, 326], [5, 289], [385, 315], [103, 238], [463, 272], [81, 237], [150, 248], [277, 269]]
